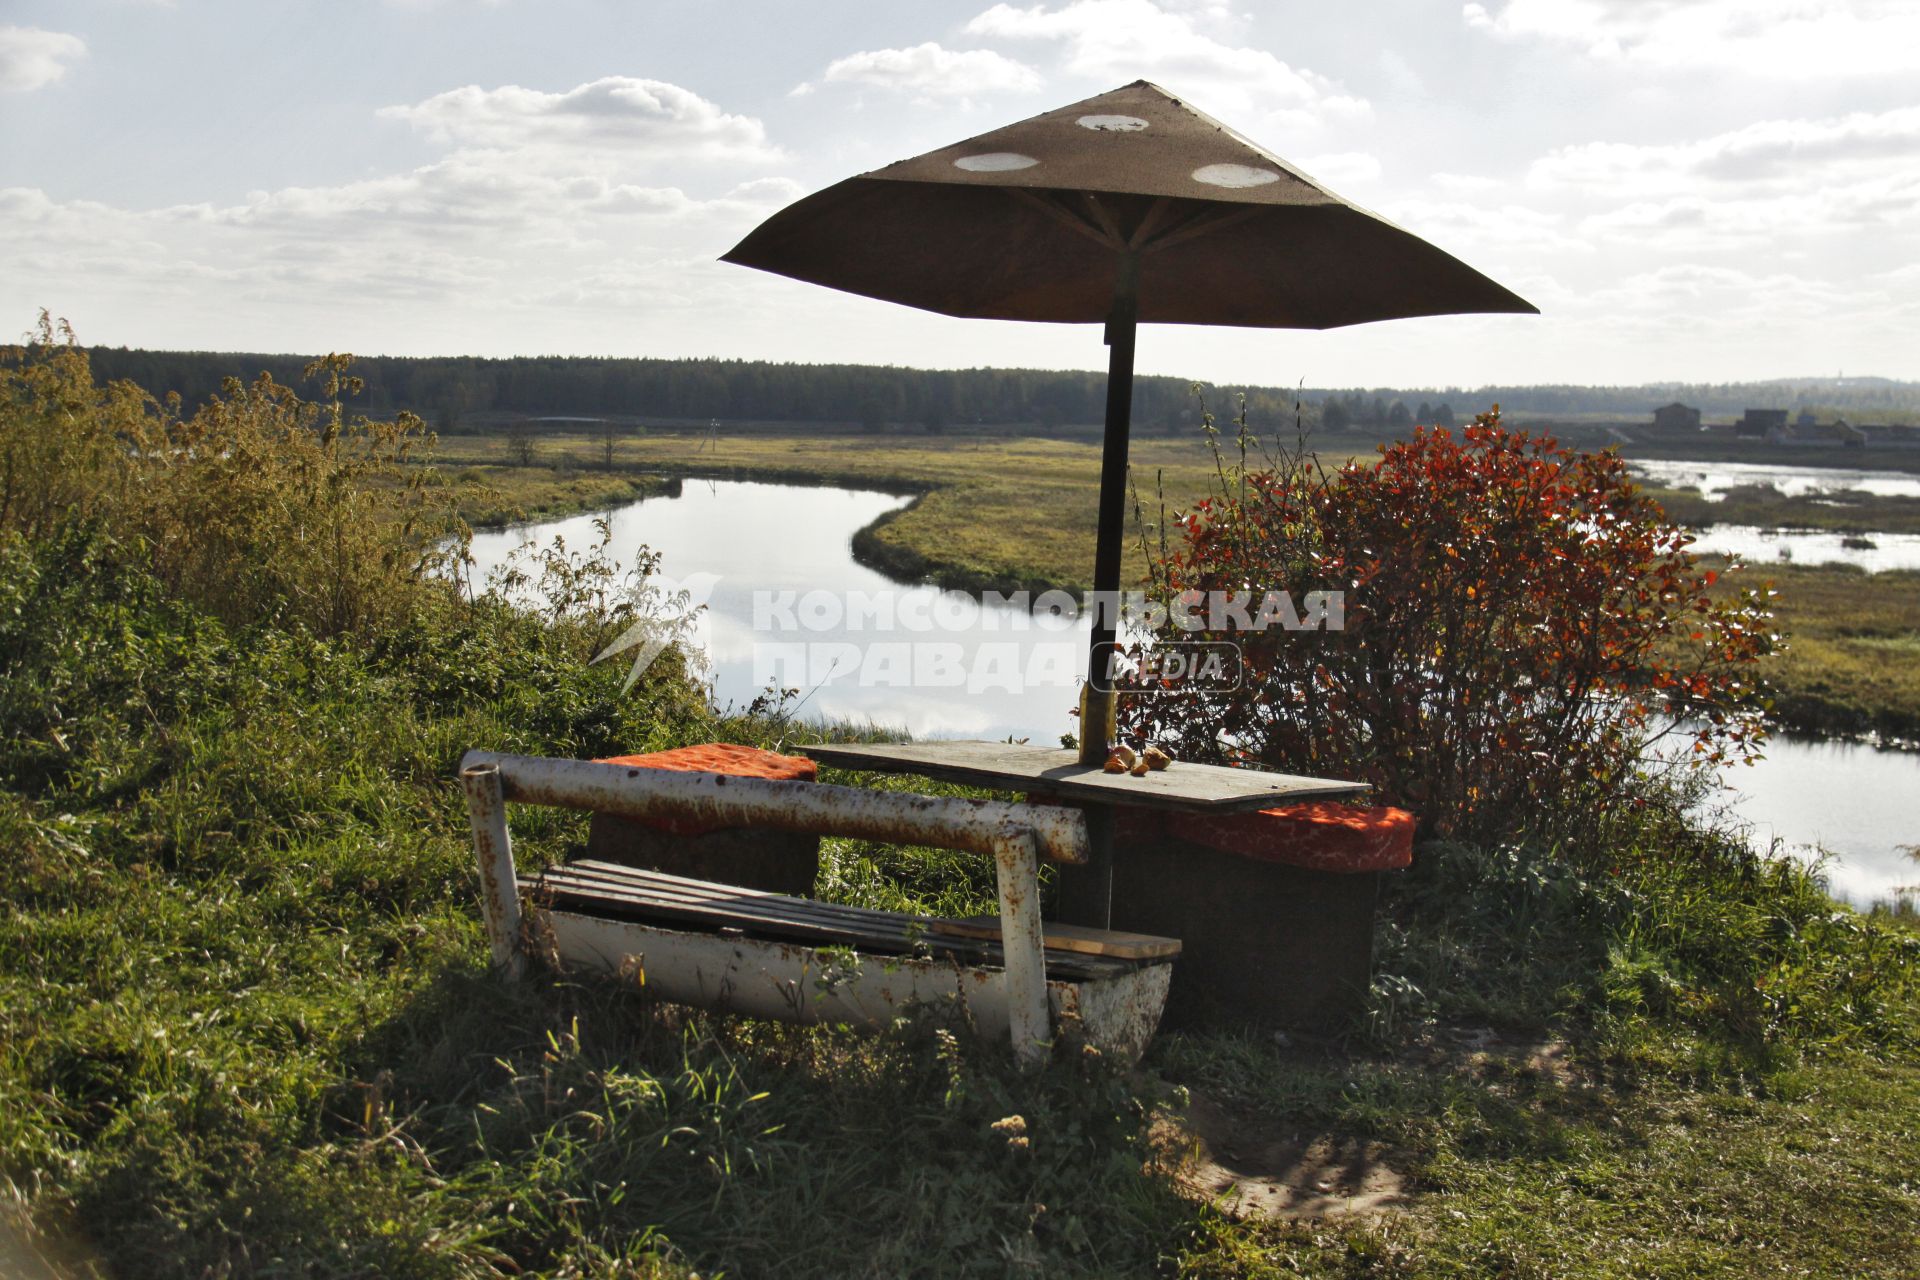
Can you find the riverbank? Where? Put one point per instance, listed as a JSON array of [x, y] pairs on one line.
[[497, 495], [1013, 514], [1767, 508]]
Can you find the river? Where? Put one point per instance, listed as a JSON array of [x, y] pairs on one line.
[[786, 604]]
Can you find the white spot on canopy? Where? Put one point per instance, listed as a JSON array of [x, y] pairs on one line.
[[1112, 124], [995, 162], [1234, 175]]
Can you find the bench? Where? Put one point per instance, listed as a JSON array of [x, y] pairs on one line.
[[774, 955]]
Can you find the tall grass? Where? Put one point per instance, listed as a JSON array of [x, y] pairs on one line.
[[260, 504]]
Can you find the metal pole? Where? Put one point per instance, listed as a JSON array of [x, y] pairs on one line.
[[1122, 321], [1023, 945], [493, 850]]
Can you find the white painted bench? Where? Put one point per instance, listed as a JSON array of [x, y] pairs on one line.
[[721, 946]]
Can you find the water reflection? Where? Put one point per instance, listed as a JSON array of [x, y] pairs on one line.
[[1001, 672], [1762, 547], [1713, 479], [1846, 798]]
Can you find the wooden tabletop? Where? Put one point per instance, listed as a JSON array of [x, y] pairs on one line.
[[1052, 771]]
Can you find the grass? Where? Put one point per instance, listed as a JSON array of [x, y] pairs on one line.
[[246, 1027], [495, 494], [1852, 661]]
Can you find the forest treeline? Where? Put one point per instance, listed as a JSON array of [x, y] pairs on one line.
[[464, 392]]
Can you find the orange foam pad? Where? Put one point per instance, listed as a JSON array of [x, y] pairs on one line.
[[1323, 835], [717, 757]]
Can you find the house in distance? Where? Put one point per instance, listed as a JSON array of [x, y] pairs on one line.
[[1676, 417]]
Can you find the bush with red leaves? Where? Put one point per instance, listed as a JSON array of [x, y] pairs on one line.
[[1520, 623]]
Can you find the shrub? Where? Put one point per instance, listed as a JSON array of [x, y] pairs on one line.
[[259, 504], [1520, 622], [63, 440]]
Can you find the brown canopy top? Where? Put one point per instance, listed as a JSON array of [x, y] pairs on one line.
[[1033, 221]]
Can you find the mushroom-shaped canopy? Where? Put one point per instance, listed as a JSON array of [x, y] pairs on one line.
[[1034, 221]]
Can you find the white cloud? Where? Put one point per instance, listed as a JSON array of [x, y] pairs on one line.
[[1687, 292], [1466, 183], [645, 117], [520, 225], [1773, 223], [1790, 153], [1798, 38], [1773, 185], [1114, 42], [31, 58], [1509, 228], [1342, 168], [930, 71]]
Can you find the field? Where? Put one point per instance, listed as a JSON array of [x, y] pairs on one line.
[[1009, 512], [248, 1027]]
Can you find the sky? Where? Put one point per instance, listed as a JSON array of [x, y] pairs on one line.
[[1690, 190]]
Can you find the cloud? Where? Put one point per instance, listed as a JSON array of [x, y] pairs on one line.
[[930, 71], [1509, 228], [1771, 184], [1343, 168], [545, 213], [1117, 41], [1687, 291], [1466, 183], [646, 117], [1792, 153], [31, 58], [1794, 38], [1774, 223]]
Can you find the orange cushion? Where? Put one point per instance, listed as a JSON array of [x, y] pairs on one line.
[[717, 757], [1323, 835]]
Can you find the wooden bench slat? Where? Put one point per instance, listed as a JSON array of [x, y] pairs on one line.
[[642, 894], [719, 915], [815, 925], [1068, 966], [1071, 937], [658, 882]]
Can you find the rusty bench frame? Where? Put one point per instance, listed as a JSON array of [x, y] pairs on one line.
[[1016, 836]]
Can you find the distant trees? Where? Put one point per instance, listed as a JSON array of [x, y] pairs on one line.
[[457, 393], [460, 392]]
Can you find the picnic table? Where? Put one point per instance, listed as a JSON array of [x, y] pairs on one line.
[[1269, 882]]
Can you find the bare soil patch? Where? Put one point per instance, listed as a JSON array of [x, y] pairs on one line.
[[1258, 1169]]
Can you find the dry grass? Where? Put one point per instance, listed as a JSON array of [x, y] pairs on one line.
[[1852, 660]]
